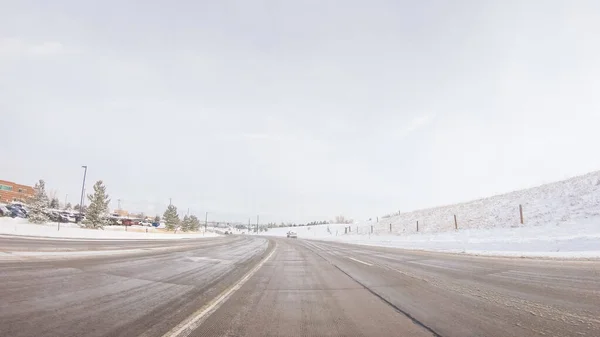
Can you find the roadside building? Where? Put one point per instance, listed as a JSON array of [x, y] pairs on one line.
[[121, 212], [11, 192]]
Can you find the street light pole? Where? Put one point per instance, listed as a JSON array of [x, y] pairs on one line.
[[205, 221], [82, 189]]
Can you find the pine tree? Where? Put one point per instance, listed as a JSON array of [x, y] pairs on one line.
[[39, 204], [68, 207], [54, 203], [194, 223], [157, 219], [186, 223], [171, 218], [98, 209]]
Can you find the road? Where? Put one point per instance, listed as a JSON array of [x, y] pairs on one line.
[[305, 288], [144, 293]]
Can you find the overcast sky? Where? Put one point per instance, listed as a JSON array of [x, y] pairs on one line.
[[298, 110]]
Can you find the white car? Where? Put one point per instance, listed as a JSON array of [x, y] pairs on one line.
[[292, 235], [145, 223]]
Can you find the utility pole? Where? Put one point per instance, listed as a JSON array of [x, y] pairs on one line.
[[205, 221], [249, 227], [257, 224], [82, 191], [170, 203]]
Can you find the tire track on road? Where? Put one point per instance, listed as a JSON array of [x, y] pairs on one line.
[[373, 292]]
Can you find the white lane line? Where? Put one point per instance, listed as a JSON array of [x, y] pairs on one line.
[[359, 261], [189, 324]]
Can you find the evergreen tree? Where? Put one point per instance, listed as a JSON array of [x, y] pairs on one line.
[[68, 206], [194, 223], [39, 204], [157, 219], [98, 209], [186, 223], [54, 203], [171, 218]]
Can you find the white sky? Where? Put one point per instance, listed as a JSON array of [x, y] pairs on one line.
[[298, 110]]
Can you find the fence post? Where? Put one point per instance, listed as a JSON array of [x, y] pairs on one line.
[[521, 212], [390, 228], [455, 222], [377, 219], [417, 225], [371, 229]]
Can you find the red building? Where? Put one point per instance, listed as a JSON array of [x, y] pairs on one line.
[[10, 192]]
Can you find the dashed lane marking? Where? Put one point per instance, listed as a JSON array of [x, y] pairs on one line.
[[359, 261]]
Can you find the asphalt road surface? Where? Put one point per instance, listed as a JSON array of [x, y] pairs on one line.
[[305, 288], [141, 294]]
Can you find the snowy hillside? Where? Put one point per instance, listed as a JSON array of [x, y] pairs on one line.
[[564, 202], [561, 219]]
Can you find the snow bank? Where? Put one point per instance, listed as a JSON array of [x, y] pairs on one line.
[[575, 240], [70, 230]]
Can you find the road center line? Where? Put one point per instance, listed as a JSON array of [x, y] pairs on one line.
[[359, 261], [189, 324]]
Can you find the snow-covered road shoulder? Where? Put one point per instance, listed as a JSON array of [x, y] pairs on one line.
[[20, 227], [572, 240]]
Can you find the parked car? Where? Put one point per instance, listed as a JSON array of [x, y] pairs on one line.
[[52, 215], [16, 212], [18, 204], [126, 222], [69, 216], [145, 223], [4, 211], [20, 207]]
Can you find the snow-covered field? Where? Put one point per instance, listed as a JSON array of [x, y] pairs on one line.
[[561, 219], [9, 226]]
